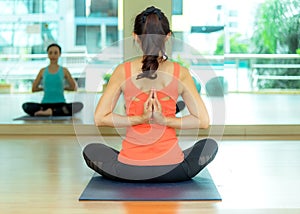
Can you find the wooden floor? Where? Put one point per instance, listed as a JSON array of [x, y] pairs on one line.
[[47, 174]]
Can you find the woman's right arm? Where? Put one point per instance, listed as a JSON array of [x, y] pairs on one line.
[[36, 83], [198, 117], [104, 114]]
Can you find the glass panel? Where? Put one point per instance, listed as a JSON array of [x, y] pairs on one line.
[[96, 23], [178, 46], [103, 8], [50, 6], [21, 7], [176, 7], [80, 35], [6, 34], [93, 39], [34, 36], [233, 13], [112, 35], [80, 8]]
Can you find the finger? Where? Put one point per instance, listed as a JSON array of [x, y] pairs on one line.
[[147, 105], [157, 105], [148, 99], [150, 94], [156, 98], [152, 103], [154, 94]]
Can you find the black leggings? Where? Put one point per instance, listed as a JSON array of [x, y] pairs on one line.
[[104, 160], [58, 109]]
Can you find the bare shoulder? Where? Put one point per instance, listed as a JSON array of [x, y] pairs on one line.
[[66, 70], [41, 72], [40, 75], [184, 73], [119, 71], [118, 76], [120, 67], [116, 80], [135, 66]]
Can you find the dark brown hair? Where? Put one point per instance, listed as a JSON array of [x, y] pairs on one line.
[[152, 27], [54, 45]]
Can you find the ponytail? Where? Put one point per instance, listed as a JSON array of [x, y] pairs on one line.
[[152, 27]]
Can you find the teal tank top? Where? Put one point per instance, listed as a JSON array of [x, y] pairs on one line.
[[53, 84]]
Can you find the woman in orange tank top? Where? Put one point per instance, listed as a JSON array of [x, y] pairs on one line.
[[151, 85]]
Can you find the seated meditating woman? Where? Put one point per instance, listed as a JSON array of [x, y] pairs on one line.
[[51, 80], [151, 84]]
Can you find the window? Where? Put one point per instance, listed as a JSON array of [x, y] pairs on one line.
[[177, 7], [28, 34], [96, 23], [233, 13], [233, 24], [21, 7]]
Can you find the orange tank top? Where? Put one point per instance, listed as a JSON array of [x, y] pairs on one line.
[[150, 144]]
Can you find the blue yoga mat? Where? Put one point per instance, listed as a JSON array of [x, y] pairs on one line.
[[200, 188]]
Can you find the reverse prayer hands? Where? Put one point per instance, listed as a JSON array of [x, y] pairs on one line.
[[153, 110]]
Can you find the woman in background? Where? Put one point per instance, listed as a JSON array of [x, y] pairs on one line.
[[51, 80]]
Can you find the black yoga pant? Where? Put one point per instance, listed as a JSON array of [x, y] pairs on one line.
[[58, 109], [180, 105], [104, 160]]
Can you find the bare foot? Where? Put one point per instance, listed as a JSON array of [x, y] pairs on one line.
[[47, 112]]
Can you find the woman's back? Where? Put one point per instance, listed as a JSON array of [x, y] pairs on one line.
[[164, 73], [148, 144]]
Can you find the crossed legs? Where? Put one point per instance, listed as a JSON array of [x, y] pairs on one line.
[[104, 160], [52, 109]]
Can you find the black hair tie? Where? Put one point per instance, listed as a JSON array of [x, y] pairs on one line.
[[152, 10]]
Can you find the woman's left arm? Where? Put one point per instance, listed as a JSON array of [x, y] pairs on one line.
[[104, 114], [72, 85]]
